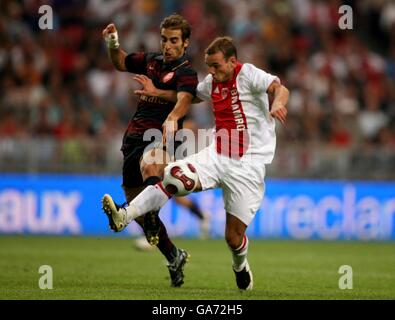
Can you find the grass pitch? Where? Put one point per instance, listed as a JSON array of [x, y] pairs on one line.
[[110, 268]]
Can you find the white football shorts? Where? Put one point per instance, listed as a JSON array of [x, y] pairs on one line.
[[242, 182]]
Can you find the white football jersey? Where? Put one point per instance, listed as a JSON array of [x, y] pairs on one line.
[[241, 109]]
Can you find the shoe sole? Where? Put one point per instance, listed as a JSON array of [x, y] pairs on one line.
[[153, 240], [108, 207]]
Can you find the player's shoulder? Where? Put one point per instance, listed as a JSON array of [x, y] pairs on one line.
[[248, 68], [252, 72], [186, 69], [187, 75]]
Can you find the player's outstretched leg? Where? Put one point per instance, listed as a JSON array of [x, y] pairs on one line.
[[116, 214], [151, 198]]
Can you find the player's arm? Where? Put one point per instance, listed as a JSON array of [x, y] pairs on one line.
[[150, 90], [117, 55], [170, 126], [280, 96], [182, 100]]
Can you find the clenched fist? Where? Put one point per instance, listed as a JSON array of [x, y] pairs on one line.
[[110, 35]]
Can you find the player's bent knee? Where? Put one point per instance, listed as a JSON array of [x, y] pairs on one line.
[[233, 240], [153, 163], [155, 156], [149, 170], [234, 231], [233, 237]]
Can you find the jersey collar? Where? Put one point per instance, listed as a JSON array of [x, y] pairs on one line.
[[235, 73]]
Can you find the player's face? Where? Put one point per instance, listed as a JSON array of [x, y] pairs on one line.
[[172, 45], [221, 69]]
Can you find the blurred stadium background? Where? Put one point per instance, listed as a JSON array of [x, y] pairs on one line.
[[63, 103], [64, 108]]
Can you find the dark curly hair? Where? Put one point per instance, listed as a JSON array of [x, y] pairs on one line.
[[176, 21]]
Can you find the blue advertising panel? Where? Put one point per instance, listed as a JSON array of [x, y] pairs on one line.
[[291, 209]]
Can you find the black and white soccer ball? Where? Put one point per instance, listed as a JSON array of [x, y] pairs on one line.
[[180, 178]]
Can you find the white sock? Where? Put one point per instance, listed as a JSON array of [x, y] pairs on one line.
[[152, 198], [240, 255]]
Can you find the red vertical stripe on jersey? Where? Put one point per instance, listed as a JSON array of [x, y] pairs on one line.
[[232, 137]]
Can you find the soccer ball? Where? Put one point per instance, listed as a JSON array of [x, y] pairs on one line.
[[180, 178]]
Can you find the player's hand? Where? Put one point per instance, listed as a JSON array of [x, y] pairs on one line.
[[110, 35], [279, 112], [170, 126], [148, 88], [109, 29]]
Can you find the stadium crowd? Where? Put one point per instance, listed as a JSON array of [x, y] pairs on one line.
[[63, 106]]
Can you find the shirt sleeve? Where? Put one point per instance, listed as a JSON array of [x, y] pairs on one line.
[[204, 88], [136, 63], [187, 80], [260, 80]]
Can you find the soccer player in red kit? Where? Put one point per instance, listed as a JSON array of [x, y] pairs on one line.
[[143, 163]]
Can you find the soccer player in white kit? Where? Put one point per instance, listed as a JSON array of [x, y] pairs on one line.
[[244, 143]]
